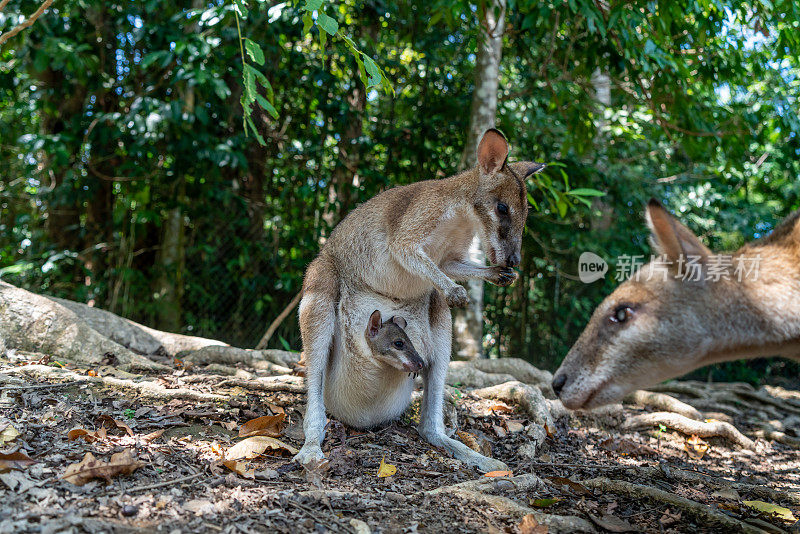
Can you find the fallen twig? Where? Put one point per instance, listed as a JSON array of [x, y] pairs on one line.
[[164, 484], [701, 511]]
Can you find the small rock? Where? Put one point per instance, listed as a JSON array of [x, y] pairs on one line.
[[394, 496], [514, 426], [129, 510]]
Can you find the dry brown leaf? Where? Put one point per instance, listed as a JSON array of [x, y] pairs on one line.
[[90, 436], [121, 463], [255, 446], [627, 447], [772, 510], [695, 447], [500, 407], [469, 440], [14, 460], [499, 474], [529, 525], [240, 468], [386, 470], [315, 471], [152, 436], [267, 425], [612, 523], [9, 433], [578, 488], [111, 422], [230, 425]]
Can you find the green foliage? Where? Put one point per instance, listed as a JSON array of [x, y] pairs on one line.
[[314, 14]]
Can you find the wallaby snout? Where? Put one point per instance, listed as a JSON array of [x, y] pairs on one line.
[[415, 364]]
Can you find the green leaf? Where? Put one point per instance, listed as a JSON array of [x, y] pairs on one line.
[[312, 5], [249, 84], [533, 202], [327, 23], [323, 39], [545, 503], [254, 51], [586, 192], [267, 105], [307, 22], [372, 68], [255, 132], [258, 75], [562, 208], [241, 8]]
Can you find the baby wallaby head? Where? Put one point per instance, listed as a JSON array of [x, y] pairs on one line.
[[390, 344], [502, 199]]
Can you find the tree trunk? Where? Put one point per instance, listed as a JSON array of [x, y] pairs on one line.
[[468, 323]]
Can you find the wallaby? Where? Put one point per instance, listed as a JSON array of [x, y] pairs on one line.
[[665, 321], [405, 248], [371, 382]]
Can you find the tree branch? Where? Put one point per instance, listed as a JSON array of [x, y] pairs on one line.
[[26, 23]]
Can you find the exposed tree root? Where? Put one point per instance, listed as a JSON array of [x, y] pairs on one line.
[[464, 374], [147, 389], [485, 373], [689, 427], [704, 513], [528, 397], [30, 322], [708, 405], [292, 384], [476, 491], [227, 355], [521, 371], [770, 401], [767, 432], [693, 477], [662, 401]]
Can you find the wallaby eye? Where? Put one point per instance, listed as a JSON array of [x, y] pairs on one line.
[[621, 314], [502, 208], [399, 344]]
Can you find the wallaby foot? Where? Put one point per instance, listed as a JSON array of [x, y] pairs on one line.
[[310, 452], [463, 453], [456, 296], [502, 276]]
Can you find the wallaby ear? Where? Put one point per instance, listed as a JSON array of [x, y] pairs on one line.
[[492, 151], [399, 321], [374, 324], [671, 238]]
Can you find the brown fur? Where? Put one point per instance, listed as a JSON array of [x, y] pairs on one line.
[[677, 325]]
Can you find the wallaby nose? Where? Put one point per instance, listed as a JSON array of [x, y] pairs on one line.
[[558, 383], [512, 260], [414, 364]]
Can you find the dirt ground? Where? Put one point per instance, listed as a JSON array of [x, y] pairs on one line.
[[584, 473]]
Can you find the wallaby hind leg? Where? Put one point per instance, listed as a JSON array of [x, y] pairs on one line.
[[317, 324], [431, 425]]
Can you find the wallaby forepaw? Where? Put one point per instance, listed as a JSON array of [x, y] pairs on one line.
[[503, 276], [308, 455], [457, 297]]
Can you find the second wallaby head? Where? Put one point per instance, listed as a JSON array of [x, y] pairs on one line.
[[390, 344], [502, 200]]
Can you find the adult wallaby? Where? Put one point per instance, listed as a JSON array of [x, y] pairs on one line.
[[405, 248], [694, 309]]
